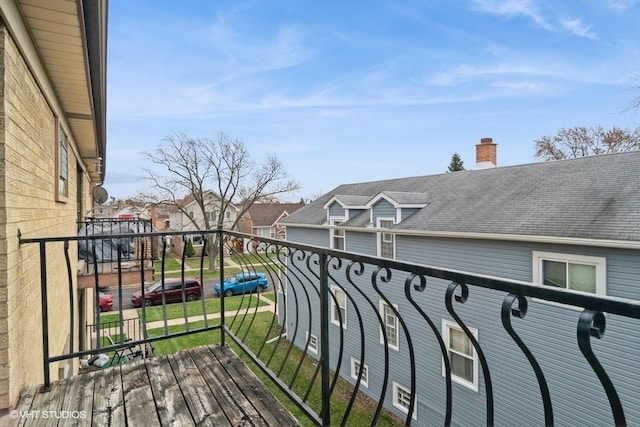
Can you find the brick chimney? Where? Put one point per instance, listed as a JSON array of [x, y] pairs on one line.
[[486, 154]]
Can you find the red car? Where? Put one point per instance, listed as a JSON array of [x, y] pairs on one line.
[[172, 292], [105, 301]]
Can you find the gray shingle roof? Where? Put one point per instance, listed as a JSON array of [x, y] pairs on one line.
[[594, 197], [351, 200]]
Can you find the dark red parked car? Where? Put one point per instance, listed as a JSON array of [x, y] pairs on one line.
[[105, 301], [172, 292]]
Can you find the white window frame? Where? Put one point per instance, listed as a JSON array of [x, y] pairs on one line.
[[446, 326], [382, 236], [335, 233], [313, 343], [264, 232], [393, 345], [355, 370], [399, 390], [600, 263], [62, 163], [335, 319]]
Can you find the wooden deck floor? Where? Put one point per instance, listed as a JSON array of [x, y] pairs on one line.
[[207, 385]]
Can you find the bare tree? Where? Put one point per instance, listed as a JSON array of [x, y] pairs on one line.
[[635, 102], [193, 167], [583, 141]]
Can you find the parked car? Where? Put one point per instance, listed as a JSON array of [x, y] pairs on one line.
[[172, 292], [243, 283], [105, 301]]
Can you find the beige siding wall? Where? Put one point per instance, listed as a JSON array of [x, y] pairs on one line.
[[28, 137]]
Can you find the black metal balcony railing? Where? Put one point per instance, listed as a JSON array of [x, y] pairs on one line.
[[540, 354]]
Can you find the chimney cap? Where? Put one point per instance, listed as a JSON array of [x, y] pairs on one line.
[[486, 140]]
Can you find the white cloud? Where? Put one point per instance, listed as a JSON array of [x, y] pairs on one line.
[[575, 26], [526, 8]]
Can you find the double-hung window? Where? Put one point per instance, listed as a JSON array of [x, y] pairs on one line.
[[386, 241], [63, 164], [339, 307], [390, 323], [337, 235], [462, 355], [572, 272]]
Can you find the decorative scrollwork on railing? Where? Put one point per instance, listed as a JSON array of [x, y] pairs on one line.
[[353, 270], [462, 298], [385, 277], [592, 324], [520, 311], [359, 270], [421, 286]]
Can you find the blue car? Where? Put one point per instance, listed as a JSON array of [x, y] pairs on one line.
[[243, 283]]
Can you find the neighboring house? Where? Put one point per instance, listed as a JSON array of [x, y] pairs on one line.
[[161, 215], [262, 219], [189, 217], [53, 144], [569, 223]]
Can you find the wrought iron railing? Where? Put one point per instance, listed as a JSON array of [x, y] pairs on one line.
[[423, 344]]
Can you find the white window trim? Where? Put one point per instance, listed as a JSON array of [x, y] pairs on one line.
[[332, 221], [396, 345], [364, 381], [312, 349], [600, 264], [446, 325], [380, 235], [396, 388], [334, 317]]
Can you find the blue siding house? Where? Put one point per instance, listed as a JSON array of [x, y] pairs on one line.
[[570, 224]]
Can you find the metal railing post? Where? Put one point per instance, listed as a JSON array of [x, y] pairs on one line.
[[325, 412], [45, 316], [221, 261]]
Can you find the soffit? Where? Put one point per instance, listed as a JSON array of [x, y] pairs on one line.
[[57, 29]]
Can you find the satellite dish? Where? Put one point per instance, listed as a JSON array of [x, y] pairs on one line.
[[100, 195]]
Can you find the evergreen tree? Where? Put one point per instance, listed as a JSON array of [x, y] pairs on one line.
[[189, 250], [456, 163]]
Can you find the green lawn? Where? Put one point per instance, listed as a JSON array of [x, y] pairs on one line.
[[254, 334], [108, 318], [260, 258], [170, 263], [194, 308]]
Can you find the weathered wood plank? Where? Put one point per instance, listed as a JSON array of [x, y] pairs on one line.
[[79, 401], [24, 405], [170, 403], [255, 392], [48, 404], [108, 398], [201, 386], [230, 398], [138, 398], [203, 406]]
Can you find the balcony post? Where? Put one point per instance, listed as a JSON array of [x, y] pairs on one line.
[[221, 262], [325, 412], [45, 316]]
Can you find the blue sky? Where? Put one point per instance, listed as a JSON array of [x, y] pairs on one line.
[[352, 91]]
